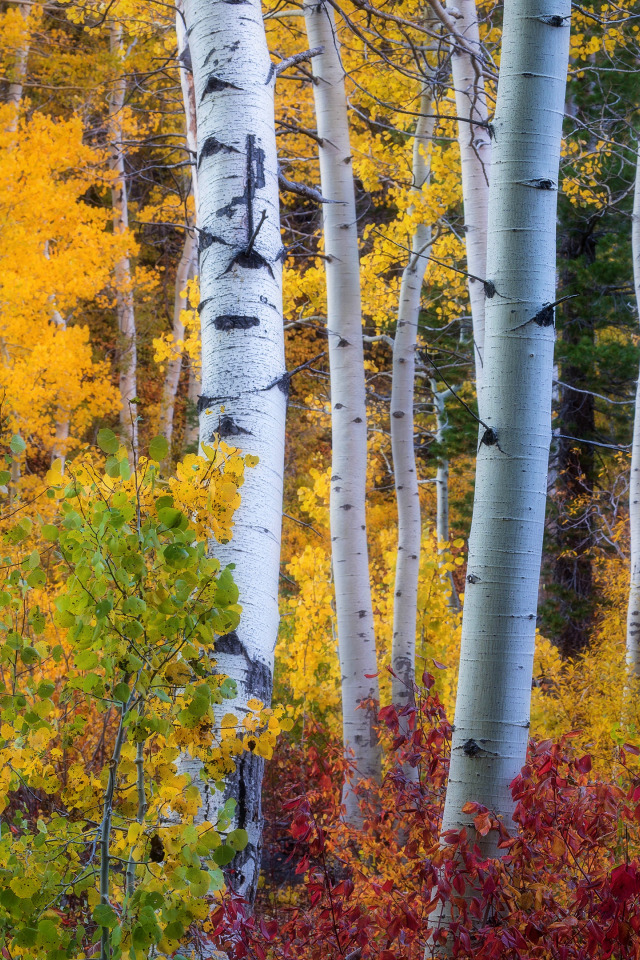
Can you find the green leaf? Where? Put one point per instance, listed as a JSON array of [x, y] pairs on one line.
[[238, 839], [103, 609], [49, 532], [26, 937], [17, 445], [121, 692], [105, 916], [170, 517], [223, 855], [5, 477], [112, 467], [158, 449], [107, 441]]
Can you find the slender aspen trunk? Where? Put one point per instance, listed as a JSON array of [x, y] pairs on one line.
[[191, 429], [633, 614], [491, 725], [19, 70], [59, 451], [405, 603], [127, 348], [356, 638], [174, 367], [442, 487], [244, 381], [475, 159]]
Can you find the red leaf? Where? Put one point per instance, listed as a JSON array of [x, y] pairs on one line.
[[438, 665], [631, 749], [370, 676], [482, 823], [583, 765], [624, 882]]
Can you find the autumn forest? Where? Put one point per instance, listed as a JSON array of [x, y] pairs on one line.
[[319, 480]]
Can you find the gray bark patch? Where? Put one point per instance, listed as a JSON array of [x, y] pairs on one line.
[[231, 321]]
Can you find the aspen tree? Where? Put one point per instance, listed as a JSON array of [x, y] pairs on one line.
[[187, 266], [244, 381], [442, 484], [491, 724], [405, 603], [127, 347], [475, 156], [356, 637], [633, 613]]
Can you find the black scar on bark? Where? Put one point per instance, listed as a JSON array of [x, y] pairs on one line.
[[216, 85], [229, 428], [272, 70], [205, 239], [230, 321], [203, 304], [471, 748], [211, 147], [489, 288], [489, 437], [249, 258], [553, 21], [229, 643], [185, 59], [545, 317]]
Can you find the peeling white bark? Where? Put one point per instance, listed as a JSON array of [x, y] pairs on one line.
[[356, 638], [633, 613], [244, 381], [498, 633], [127, 349], [405, 603], [475, 158]]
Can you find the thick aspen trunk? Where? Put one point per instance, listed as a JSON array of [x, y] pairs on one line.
[[633, 615], [405, 603], [244, 381], [475, 159], [356, 638], [127, 359], [491, 725]]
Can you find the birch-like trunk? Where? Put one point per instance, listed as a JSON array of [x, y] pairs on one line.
[[475, 159], [405, 603], [191, 428], [244, 382], [187, 267], [127, 359], [633, 614], [19, 70], [442, 487], [491, 725], [356, 638]]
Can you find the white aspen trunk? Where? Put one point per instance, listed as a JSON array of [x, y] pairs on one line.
[[356, 637], [475, 159], [187, 266], [405, 602], [191, 429], [59, 450], [633, 613], [174, 366], [491, 725], [127, 350], [19, 72], [244, 381], [442, 487]]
